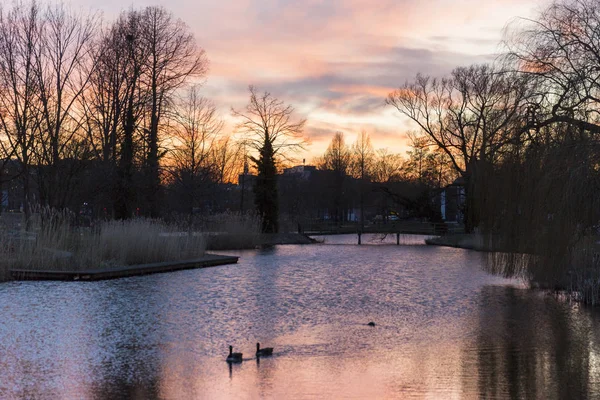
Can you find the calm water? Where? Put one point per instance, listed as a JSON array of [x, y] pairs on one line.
[[445, 330]]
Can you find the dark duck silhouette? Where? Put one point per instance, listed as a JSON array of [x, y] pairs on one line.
[[233, 357], [267, 351], [371, 323]]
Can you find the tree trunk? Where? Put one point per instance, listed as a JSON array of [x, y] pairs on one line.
[[152, 159], [473, 180], [26, 194], [124, 191]]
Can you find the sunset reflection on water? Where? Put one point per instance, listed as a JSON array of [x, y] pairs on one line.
[[444, 329]]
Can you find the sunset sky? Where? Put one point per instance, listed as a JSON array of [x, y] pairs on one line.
[[335, 61]]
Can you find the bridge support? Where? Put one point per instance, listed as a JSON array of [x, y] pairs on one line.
[[359, 235], [398, 238]]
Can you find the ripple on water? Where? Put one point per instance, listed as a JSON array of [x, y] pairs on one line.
[[443, 329]]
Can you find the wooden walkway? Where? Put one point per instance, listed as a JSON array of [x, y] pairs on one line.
[[209, 260]]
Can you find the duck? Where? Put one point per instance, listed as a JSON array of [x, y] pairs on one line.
[[233, 357], [267, 351], [371, 323]]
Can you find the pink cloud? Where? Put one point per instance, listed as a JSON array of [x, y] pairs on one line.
[[333, 59]]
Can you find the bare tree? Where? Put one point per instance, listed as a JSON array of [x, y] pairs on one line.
[[74, 95], [173, 58], [104, 105], [362, 156], [105, 98], [141, 61], [386, 166], [268, 119], [194, 139], [544, 199], [129, 28], [416, 166], [227, 156], [267, 126], [471, 116], [337, 158], [559, 53], [362, 167], [19, 110], [427, 164], [63, 65]]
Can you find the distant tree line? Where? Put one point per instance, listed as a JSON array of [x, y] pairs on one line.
[[410, 182]]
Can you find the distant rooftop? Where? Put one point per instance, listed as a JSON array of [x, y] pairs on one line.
[[299, 169]]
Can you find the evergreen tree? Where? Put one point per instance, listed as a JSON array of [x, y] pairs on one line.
[[269, 130], [265, 189]]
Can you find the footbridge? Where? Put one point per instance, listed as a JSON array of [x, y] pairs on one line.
[[388, 227]]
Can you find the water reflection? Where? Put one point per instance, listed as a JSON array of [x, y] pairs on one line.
[[444, 329], [130, 356], [529, 345]]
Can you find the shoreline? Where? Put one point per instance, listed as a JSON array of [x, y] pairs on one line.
[[208, 260], [215, 242]]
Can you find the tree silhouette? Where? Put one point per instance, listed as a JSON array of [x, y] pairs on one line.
[[268, 128], [471, 116], [337, 158], [265, 189]]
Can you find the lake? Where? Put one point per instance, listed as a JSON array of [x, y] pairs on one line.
[[444, 329]]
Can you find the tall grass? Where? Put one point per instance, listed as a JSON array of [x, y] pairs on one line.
[[55, 243]]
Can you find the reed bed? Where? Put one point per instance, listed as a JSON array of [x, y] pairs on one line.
[[54, 242]]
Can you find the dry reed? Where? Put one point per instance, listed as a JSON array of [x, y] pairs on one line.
[[55, 243]]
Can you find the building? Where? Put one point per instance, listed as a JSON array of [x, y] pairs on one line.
[[301, 171], [452, 202]]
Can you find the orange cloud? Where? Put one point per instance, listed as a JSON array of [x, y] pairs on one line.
[[336, 60]]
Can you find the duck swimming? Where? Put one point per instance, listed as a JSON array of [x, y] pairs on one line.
[[233, 357], [267, 351]]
